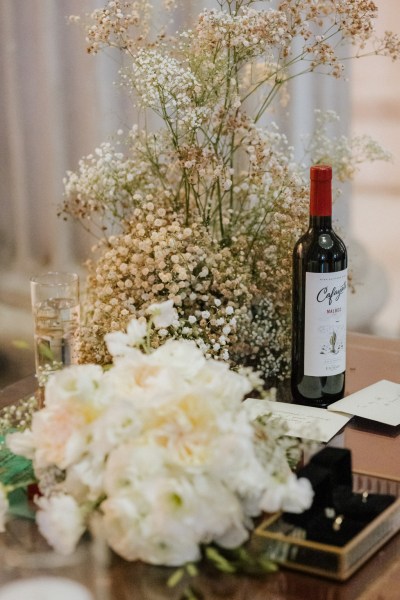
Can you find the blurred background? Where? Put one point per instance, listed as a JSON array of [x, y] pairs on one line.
[[58, 103]]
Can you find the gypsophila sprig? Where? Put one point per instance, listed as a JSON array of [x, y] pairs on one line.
[[348, 154], [159, 257], [145, 447], [122, 24], [19, 415], [223, 173]]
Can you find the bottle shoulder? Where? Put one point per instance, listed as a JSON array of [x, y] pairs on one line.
[[321, 245]]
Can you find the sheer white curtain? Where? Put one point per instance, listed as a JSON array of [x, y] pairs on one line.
[[57, 104]]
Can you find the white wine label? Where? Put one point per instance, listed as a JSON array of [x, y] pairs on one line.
[[325, 323]]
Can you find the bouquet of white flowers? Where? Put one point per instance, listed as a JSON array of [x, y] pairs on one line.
[[159, 449]]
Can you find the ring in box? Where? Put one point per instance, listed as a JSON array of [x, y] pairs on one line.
[[350, 539]]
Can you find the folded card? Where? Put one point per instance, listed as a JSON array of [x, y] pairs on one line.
[[378, 402], [302, 421]]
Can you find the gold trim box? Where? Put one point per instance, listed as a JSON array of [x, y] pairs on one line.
[[283, 547]]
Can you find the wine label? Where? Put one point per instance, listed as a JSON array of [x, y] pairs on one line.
[[325, 323]]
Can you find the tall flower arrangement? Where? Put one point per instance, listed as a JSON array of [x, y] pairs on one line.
[[204, 207]]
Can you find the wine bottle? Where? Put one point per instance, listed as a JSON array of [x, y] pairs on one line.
[[319, 302]]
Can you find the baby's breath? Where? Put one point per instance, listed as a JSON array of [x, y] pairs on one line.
[[159, 257], [18, 415]]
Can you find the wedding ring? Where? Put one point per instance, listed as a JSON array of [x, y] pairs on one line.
[[337, 523], [364, 497], [330, 513]]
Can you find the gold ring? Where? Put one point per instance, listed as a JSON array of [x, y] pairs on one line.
[[364, 498], [337, 523]]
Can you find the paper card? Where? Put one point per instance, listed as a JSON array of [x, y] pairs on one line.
[[378, 402], [303, 421]]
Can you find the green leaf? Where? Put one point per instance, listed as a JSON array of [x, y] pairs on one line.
[[15, 471], [45, 351], [19, 504], [190, 594], [219, 561], [240, 560], [175, 578], [192, 570]]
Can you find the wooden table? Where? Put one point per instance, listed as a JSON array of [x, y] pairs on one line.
[[374, 449]]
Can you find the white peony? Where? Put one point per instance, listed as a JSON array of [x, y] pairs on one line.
[[156, 533], [78, 383], [141, 379], [60, 521], [170, 516], [224, 384], [59, 434], [132, 462]]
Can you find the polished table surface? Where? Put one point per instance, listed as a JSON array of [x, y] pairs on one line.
[[375, 449]]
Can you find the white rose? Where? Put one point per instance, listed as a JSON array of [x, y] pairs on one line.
[[60, 521], [120, 526]]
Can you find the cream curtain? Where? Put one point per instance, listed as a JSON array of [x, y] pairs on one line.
[[57, 103]]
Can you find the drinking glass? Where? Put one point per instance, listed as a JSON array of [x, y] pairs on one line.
[[55, 307]]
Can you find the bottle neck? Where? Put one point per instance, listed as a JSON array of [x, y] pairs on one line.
[[320, 222], [320, 199]]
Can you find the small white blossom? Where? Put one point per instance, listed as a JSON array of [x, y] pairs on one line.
[[163, 314], [293, 495], [123, 344], [60, 521]]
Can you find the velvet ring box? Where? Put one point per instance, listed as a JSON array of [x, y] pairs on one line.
[[333, 538], [361, 507]]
